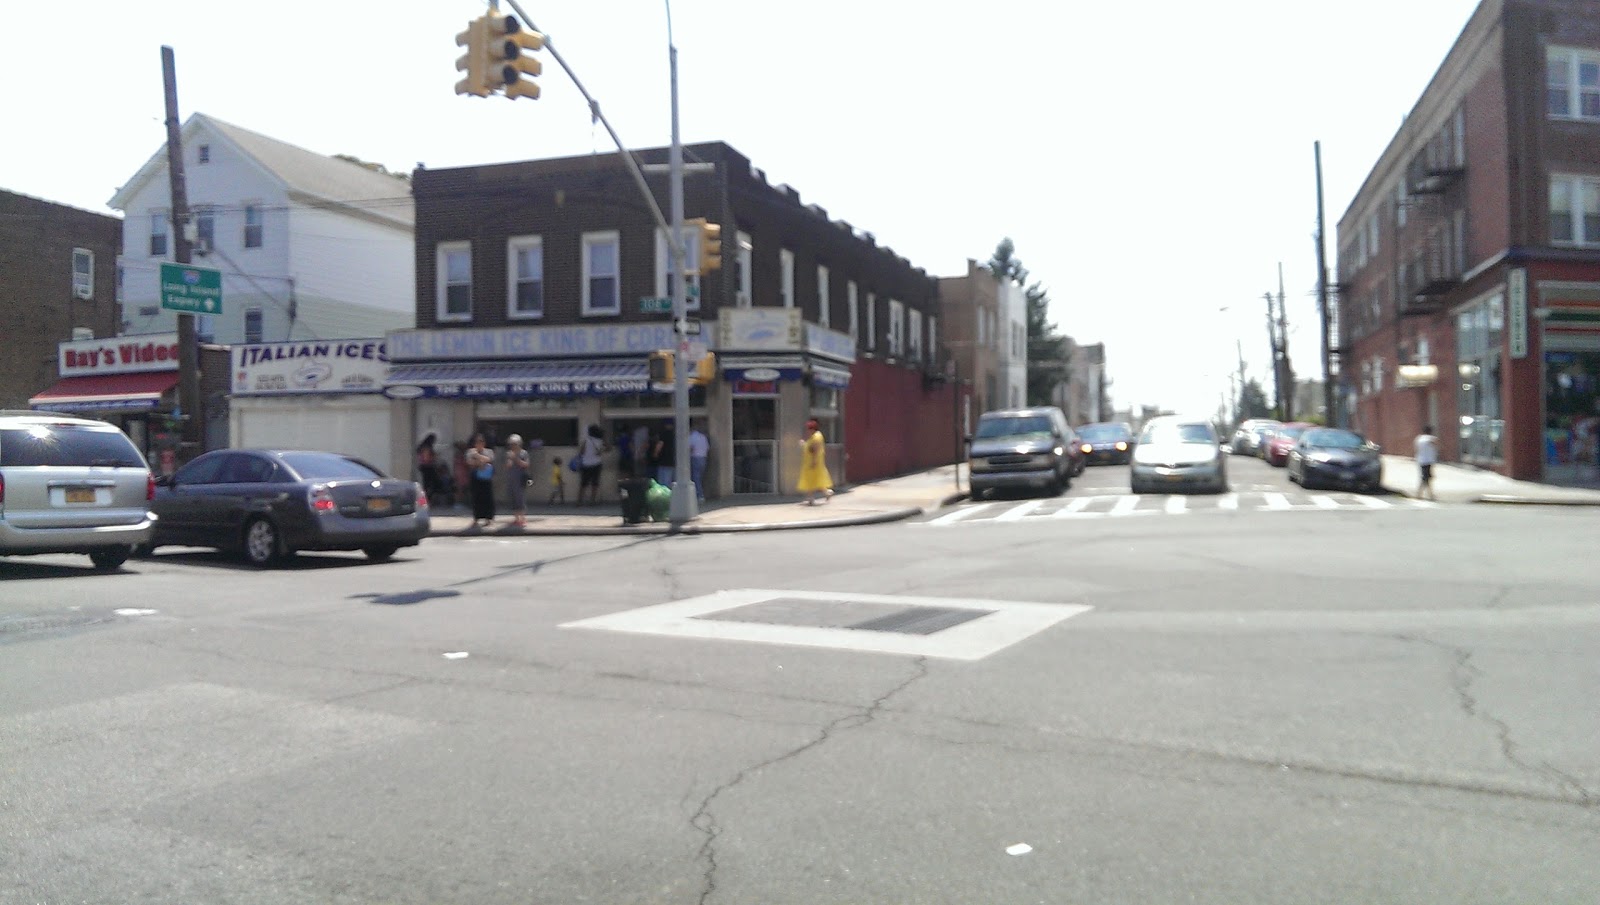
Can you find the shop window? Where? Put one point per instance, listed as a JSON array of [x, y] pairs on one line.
[[1479, 331], [536, 432]]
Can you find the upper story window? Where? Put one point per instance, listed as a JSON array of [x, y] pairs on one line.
[[252, 226], [82, 273], [158, 234], [983, 325], [203, 154], [786, 277], [453, 264], [665, 284], [524, 277], [205, 228], [253, 320], [914, 336], [897, 327], [1401, 202], [741, 271], [1575, 210], [872, 321], [1572, 83], [824, 316], [852, 309], [602, 273], [933, 338]]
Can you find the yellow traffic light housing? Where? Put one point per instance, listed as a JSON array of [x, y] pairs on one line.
[[660, 362], [474, 62], [705, 370], [710, 245], [506, 63]]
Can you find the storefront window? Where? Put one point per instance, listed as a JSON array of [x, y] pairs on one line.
[[755, 446], [1572, 416], [1478, 362]]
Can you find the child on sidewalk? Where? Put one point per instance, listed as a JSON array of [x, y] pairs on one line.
[[558, 487]]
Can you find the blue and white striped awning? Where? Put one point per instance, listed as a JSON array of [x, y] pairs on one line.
[[516, 379]]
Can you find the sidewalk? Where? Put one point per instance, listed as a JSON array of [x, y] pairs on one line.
[[888, 500], [1464, 484]]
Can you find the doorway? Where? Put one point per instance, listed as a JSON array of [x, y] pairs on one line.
[[755, 445]]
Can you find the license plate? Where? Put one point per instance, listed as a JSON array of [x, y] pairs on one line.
[[379, 505], [80, 494], [1174, 477]]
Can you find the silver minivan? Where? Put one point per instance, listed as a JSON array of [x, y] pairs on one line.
[[72, 485]]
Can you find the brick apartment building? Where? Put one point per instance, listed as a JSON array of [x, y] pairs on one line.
[[1469, 261], [535, 314], [58, 280]]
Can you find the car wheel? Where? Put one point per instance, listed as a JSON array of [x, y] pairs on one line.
[[144, 551], [262, 546], [111, 558], [380, 554]]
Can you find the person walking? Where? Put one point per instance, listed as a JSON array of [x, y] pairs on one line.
[[590, 453], [815, 481], [664, 456], [428, 468], [699, 451], [480, 468], [1427, 452], [517, 464]]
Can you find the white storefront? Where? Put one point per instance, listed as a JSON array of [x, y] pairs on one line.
[[324, 395]]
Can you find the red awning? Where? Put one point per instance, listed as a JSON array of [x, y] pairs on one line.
[[107, 392]]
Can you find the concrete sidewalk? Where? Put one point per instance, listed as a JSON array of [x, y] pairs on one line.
[[1454, 483], [888, 500]]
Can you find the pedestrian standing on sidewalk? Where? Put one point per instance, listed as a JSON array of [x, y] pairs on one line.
[[480, 466], [814, 478], [517, 479], [699, 450], [590, 459], [665, 457], [1427, 446], [428, 468]]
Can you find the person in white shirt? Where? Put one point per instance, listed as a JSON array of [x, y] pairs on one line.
[[699, 450], [1427, 456]]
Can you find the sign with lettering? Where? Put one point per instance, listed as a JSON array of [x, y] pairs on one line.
[[759, 329], [520, 389], [1517, 317], [185, 287], [118, 355], [324, 366], [831, 343], [530, 342]]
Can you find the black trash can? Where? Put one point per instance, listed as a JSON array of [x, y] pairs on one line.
[[633, 491]]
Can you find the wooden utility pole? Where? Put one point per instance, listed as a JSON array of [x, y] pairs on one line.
[[1330, 416], [189, 405], [1278, 410], [1287, 381]]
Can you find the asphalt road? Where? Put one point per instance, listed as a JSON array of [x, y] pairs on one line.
[[1311, 704]]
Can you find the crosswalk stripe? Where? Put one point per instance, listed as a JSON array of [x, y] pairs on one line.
[[1276, 501], [1372, 502], [1325, 501], [1074, 507], [1015, 513], [962, 513], [1125, 505], [1176, 505], [1228, 501]]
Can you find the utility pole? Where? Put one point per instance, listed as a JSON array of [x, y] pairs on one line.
[[1283, 343], [188, 349], [683, 491], [1330, 416], [1277, 358]]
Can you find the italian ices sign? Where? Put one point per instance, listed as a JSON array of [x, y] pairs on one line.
[[197, 290]]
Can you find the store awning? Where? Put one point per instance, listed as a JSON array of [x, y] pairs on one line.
[[139, 392], [836, 378], [513, 380]]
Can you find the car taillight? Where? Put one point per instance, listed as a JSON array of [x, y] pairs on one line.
[[149, 488], [2, 490], [322, 500], [422, 499]]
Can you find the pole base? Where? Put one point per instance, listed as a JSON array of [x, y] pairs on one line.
[[684, 506]]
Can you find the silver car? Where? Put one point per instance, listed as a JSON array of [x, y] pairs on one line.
[[72, 485], [1177, 453]]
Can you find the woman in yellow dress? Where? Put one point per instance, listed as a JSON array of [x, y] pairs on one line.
[[814, 478]]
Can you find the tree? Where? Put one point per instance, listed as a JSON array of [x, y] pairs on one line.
[[1048, 356], [1253, 401]]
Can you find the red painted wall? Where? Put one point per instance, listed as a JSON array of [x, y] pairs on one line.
[[893, 425]]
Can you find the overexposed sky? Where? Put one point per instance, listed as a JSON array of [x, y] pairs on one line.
[[1152, 161]]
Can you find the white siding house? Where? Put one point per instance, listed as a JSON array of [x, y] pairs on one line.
[[309, 246]]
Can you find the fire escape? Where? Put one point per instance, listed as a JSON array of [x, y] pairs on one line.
[[1431, 247]]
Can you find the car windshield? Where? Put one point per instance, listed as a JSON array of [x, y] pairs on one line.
[[1178, 433], [1333, 439], [67, 445], [1290, 433], [1014, 426], [322, 466], [1095, 433]]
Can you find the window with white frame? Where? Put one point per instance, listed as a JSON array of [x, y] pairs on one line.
[[983, 325], [82, 273], [1575, 210], [665, 284], [741, 275], [602, 271], [158, 234], [205, 228], [824, 316], [253, 321], [933, 339], [252, 226], [872, 322], [524, 277], [897, 328], [786, 277], [914, 336], [1400, 202], [852, 309], [1572, 83], [453, 271], [1366, 378], [1377, 374], [203, 154]]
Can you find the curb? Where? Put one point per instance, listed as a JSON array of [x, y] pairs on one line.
[[875, 518], [1504, 500]]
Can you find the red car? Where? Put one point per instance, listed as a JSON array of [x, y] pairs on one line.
[[1282, 440]]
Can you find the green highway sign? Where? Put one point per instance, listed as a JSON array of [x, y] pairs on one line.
[[185, 287], [649, 305]]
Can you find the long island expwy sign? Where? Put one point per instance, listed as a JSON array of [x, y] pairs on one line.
[[324, 366], [185, 287], [530, 342], [118, 355]]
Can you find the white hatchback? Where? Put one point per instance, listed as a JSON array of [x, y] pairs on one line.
[[72, 485]]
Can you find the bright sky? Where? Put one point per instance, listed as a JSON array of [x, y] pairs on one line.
[[1153, 167]]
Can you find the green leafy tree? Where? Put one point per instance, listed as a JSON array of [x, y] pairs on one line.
[[1253, 401]]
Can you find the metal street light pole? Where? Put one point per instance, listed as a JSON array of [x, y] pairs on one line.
[[683, 491]]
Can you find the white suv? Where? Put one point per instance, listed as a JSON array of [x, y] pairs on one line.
[[72, 485]]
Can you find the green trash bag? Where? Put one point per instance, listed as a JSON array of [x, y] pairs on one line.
[[658, 501]]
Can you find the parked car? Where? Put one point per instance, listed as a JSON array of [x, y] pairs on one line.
[[72, 485], [1284, 437], [1336, 458], [268, 504], [1030, 449], [1107, 443], [1246, 441], [1175, 453]]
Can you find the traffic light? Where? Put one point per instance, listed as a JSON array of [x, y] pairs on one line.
[[661, 366], [506, 63], [710, 245], [705, 370], [474, 62]]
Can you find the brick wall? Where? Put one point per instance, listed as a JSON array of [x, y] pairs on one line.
[[894, 424]]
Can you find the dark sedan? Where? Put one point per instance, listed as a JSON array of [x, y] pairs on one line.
[[1335, 458], [267, 504], [1106, 444]]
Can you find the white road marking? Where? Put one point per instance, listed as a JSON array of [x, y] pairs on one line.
[[1325, 501], [1228, 501], [959, 514], [1074, 507], [1125, 505], [1177, 505], [1276, 501], [1017, 512], [1372, 502]]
